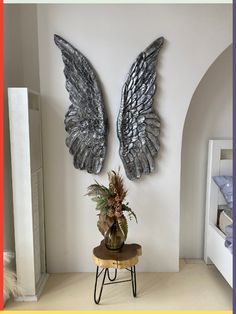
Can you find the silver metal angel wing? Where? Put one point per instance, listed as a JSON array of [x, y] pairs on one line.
[[138, 126], [85, 120]]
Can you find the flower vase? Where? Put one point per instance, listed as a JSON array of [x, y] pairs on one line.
[[114, 237]]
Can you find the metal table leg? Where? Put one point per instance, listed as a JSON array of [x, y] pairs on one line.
[[108, 275], [112, 281], [133, 279], [97, 300]]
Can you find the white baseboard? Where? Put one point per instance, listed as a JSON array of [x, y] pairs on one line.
[[40, 286]]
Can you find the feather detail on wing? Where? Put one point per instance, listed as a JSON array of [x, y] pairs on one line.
[[138, 126], [85, 120]]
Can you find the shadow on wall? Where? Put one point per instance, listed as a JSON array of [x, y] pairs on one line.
[[209, 117]]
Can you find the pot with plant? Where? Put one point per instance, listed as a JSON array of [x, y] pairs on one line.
[[112, 222]]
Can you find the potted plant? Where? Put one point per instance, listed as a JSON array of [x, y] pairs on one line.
[[110, 204]]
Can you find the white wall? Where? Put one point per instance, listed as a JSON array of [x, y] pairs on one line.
[[12, 76], [111, 36], [29, 46], [20, 69], [209, 117]]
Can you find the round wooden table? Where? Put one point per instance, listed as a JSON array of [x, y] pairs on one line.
[[126, 258]]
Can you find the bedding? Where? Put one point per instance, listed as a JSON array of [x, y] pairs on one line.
[[225, 184]]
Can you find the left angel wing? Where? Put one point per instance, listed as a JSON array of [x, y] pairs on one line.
[[138, 126], [86, 119]]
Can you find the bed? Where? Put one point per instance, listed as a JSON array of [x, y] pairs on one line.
[[218, 216]]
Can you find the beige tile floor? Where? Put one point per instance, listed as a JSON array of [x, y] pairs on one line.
[[196, 287]]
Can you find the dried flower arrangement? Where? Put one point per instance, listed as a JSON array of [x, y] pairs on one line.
[[109, 203]]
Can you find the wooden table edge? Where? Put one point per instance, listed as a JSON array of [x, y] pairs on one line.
[[111, 263], [115, 264]]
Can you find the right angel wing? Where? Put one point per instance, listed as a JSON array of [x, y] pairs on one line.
[[85, 120], [138, 126]]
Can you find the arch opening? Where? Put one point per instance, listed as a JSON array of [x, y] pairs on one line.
[[209, 116]]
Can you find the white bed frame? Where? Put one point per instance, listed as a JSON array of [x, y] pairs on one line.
[[215, 252]]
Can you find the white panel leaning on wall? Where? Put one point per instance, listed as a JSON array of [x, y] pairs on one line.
[[27, 184]]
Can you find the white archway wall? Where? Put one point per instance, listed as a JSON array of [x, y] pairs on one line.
[[209, 117], [111, 36]]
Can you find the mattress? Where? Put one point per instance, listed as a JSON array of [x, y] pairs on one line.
[[225, 219]]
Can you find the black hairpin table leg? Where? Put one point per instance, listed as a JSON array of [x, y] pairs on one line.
[[108, 275], [112, 281], [133, 279], [97, 300], [106, 259]]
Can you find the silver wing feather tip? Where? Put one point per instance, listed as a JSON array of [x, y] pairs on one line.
[[86, 120], [138, 126], [160, 41], [59, 40]]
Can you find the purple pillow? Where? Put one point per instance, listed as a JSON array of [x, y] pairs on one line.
[[225, 184]]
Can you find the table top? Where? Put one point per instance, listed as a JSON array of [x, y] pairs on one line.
[[126, 257]]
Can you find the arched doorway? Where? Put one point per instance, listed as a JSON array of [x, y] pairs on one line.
[[209, 117]]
